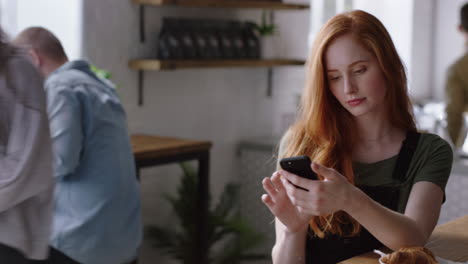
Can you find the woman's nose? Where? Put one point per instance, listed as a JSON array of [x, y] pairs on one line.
[[349, 86]]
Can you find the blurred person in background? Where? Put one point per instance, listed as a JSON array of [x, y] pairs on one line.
[[456, 87], [97, 215], [26, 181]]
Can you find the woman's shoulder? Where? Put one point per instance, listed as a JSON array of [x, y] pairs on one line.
[[432, 161], [433, 145], [429, 139]]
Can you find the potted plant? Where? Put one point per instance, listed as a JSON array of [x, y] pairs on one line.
[[266, 31], [230, 238]]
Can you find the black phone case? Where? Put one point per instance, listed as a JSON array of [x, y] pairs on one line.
[[299, 165]]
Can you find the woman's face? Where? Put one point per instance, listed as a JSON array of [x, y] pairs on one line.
[[354, 77]]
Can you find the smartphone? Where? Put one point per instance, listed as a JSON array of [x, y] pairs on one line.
[[299, 165]]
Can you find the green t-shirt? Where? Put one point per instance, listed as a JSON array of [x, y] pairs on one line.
[[432, 162]]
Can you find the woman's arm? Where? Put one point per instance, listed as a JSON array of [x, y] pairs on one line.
[[289, 247], [290, 224], [395, 230]]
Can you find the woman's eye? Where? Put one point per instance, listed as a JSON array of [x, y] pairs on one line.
[[334, 78], [359, 71]]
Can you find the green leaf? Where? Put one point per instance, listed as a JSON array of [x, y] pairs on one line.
[[162, 238], [101, 73], [266, 28], [225, 226], [228, 200]]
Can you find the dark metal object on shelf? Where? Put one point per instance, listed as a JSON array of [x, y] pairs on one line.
[[191, 39]]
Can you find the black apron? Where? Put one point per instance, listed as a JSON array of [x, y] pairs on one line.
[[333, 248]]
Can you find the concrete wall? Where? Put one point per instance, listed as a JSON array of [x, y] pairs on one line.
[[422, 50], [223, 105], [63, 18]]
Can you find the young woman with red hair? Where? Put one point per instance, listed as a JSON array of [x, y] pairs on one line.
[[381, 182]]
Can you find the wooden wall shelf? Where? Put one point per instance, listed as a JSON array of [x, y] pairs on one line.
[[164, 65], [142, 65], [223, 4]]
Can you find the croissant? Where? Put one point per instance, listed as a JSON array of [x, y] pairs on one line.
[[409, 255]]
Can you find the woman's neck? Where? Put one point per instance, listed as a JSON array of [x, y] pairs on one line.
[[373, 128], [377, 139]]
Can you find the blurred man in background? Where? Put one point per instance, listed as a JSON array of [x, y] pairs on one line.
[[97, 200], [456, 87]]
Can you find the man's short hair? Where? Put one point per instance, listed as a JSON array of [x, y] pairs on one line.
[[42, 41], [464, 16]]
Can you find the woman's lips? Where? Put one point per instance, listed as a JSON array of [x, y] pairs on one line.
[[356, 102]]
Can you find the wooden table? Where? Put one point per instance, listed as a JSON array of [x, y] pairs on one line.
[[448, 241], [151, 150]]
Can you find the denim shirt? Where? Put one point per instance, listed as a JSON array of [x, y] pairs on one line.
[[97, 215]]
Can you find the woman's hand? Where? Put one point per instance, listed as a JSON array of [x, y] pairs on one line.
[[280, 205], [326, 196]]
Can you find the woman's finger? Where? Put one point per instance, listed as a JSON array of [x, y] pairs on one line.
[[295, 179], [287, 185], [294, 193], [269, 187], [326, 172], [276, 180], [267, 200]]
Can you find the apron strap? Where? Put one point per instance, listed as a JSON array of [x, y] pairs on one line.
[[406, 154]]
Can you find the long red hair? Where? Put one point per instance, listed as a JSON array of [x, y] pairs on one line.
[[324, 130]]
